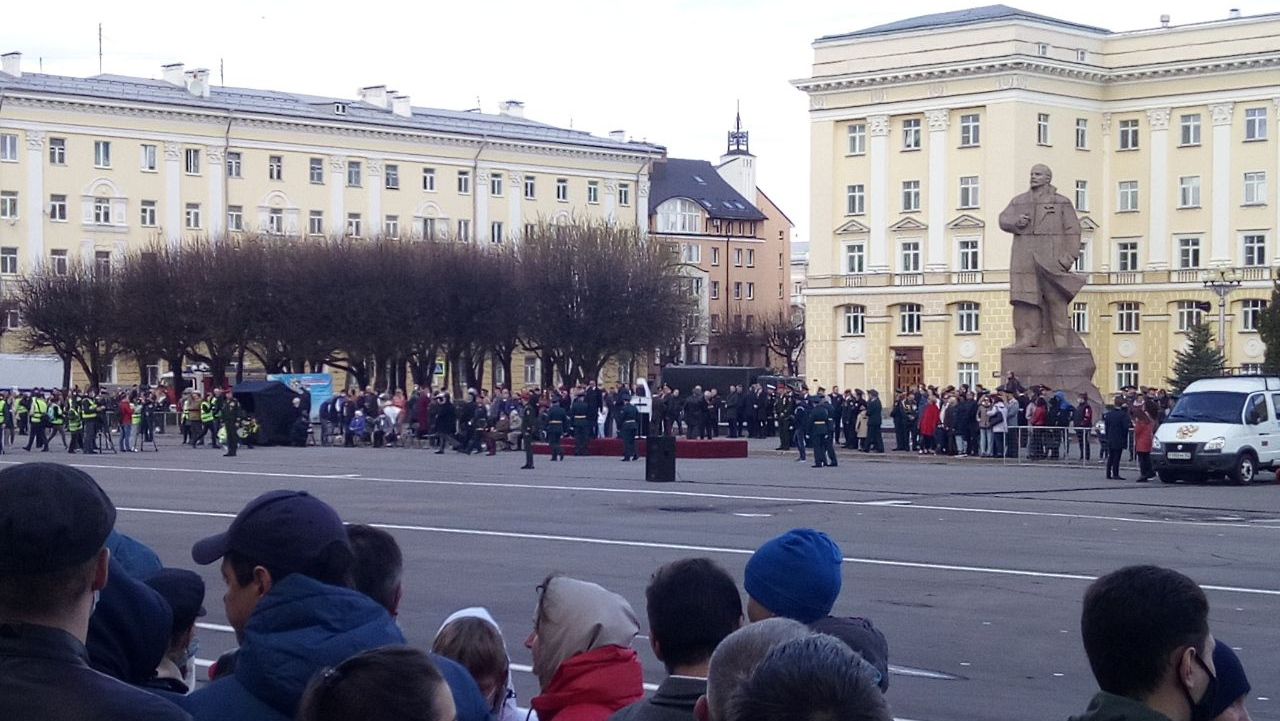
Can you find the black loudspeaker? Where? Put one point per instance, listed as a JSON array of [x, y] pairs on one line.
[[660, 459]]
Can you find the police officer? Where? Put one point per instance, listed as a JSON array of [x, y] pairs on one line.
[[56, 419], [582, 422], [820, 423], [89, 411], [75, 424], [529, 428], [39, 410], [231, 422], [629, 426], [557, 418], [206, 423]]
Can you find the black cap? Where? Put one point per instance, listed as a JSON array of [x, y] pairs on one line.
[[52, 517], [184, 590], [284, 530]]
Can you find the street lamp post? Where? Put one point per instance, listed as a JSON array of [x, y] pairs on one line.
[[1221, 281]]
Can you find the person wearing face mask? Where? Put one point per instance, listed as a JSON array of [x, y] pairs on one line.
[[1146, 633]]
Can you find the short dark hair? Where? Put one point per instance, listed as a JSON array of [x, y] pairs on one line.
[[816, 678], [477, 645], [1133, 619], [692, 605], [392, 682], [332, 566], [378, 563], [51, 592]]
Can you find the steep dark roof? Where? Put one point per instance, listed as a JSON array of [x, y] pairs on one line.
[[972, 16], [698, 181]]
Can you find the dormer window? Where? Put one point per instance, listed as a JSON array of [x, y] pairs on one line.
[[339, 108]]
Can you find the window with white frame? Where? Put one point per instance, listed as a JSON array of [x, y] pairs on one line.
[[857, 139], [855, 320], [593, 192], [102, 154], [968, 191], [1042, 49], [495, 231], [235, 217], [531, 375], [715, 290], [715, 256], [464, 182], [147, 214], [624, 194], [191, 161], [1255, 124], [855, 258], [495, 183], [275, 167], [391, 226], [562, 190], [1082, 260], [911, 134], [192, 216], [1080, 317], [1082, 195], [967, 317], [58, 208], [1189, 191], [102, 263], [1082, 55], [102, 211], [910, 196], [781, 293], [234, 165], [1189, 129], [751, 258], [968, 252], [967, 374], [1128, 134], [678, 215], [855, 199], [1127, 196], [315, 222], [1082, 134], [1255, 249], [737, 290], [1128, 317], [147, 160], [8, 204], [464, 229], [1250, 313], [910, 256], [355, 171], [429, 229], [1042, 128], [429, 180], [275, 221], [1126, 375], [9, 261], [8, 147], [354, 225], [57, 151], [315, 171], [391, 177], [1189, 315], [530, 187], [58, 262], [1189, 252], [909, 319], [1127, 256], [12, 319], [737, 257], [970, 130], [1255, 188], [751, 290]]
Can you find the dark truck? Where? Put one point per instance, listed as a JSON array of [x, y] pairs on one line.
[[685, 377]]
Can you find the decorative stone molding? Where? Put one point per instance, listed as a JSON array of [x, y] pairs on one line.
[[1222, 113], [1106, 123], [515, 179], [482, 176], [643, 190], [214, 153], [373, 166], [338, 163], [35, 140], [939, 120], [610, 187], [172, 151], [1159, 118], [878, 125]]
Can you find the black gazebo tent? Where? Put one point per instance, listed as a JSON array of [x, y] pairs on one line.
[[272, 403]]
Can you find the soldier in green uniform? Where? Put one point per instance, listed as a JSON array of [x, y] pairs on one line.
[[582, 422], [820, 423], [556, 420], [529, 428], [231, 422], [630, 426], [783, 411]]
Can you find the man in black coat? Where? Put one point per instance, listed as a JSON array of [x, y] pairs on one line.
[[1115, 425], [595, 401], [875, 418], [695, 413]]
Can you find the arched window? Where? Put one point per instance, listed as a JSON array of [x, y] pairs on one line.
[[855, 319], [679, 215], [967, 314]]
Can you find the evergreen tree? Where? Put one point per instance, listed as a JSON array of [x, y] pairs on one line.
[[1201, 359], [1269, 330]]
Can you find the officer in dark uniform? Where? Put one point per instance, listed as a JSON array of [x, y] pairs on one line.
[[231, 422], [783, 411], [557, 418], [820, 422], [582, 422], [529, 428], [630, 425]]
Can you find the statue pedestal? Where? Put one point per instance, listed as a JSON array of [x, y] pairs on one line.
[[1062, 369]]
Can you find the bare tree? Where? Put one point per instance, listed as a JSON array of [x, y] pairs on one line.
[[74, 314], [783, 332]]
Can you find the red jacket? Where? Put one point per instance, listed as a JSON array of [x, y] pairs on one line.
[[591, 686], [929, 418], [1143, 431]]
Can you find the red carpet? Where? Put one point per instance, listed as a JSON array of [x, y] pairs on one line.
[[716, 448]]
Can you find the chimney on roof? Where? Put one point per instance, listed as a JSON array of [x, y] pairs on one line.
[[401, 107], [1233, 13], [375, 95], [173, 74], [197, 82], [511, 108], [1164, 21], [11, 64], [618, 135]]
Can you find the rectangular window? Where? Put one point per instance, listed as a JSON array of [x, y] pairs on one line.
[[911, 134], [737, 257], [910, 196], [624, 194], [530, 187], [315, 171], [1128, 134], [909, 319], [8, 204], [1189, 191], [102, 211], [391, 226], [1255, 188], [1128, 318], [1042, 49], [429, 228], [1255, 124], [751, 258], [970, 131], [562, 190], [855, 320], [391, 177], [147, 161], [967, 374], [593, 192], [315, 222], [234, 163], [1082, 195], [1082, 134], [715, 256], [855, 199], [275, 221], [967, 314], [191, 161], [8, 147], [858, 139], [1189, 315], [102, 155], [9, 261], [1080, 317], [464, 182], [715, 290], [1255, 250], [1082, 55], [495, 232], [57, 151], [235, 217], [354, 225], [495, 183], [531, 370], [737, 290], [910, 256], [855, 258], [1042, 128], [275, 167], [1127, 256], [751, 292], [58, 208], [968, 191], [147, 214], [464, 230], [58, 262], [193, 216], [102, 263], [1189, 126], [781, 294], [355, 171], [969, 254], [1128, 197], [1126, 375], [429, 179], [1251, 313]]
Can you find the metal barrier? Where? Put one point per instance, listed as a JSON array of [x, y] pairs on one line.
[[1049, 445]]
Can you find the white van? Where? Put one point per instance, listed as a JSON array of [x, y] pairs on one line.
[[1220, 426]]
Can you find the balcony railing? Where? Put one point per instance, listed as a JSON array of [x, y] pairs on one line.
[[976, 277]]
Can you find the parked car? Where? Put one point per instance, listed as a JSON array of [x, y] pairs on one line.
[[1220, 427]]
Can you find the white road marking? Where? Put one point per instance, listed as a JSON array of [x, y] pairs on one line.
[[906, 505], [718, 549]]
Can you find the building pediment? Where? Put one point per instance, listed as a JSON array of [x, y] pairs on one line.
[[1086, 223], [908, 224], [966, 222], [852, 227]]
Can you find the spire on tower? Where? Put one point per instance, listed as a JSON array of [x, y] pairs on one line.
[[738, 138]]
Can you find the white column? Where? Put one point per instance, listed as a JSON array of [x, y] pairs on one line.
[[878, 253], [373, 171], [481, 228], [1273, 187], [1158, 190], [1220, 215], [35, 198], [215, 157], [936, 249], [515, 205], [173, 193], [337, 181], [642, 205], [611, 200]]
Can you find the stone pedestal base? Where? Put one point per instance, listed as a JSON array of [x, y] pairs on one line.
[[1062, 369]]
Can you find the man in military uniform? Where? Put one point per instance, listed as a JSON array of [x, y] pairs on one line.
[[629, 426], [231, 422], [582, 422], [529, 428], [557, 418], [820, 421], [783, 411]]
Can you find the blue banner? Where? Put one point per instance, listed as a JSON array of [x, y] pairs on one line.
[[319, 385]]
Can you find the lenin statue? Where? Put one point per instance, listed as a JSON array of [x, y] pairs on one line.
[[1042, 281]]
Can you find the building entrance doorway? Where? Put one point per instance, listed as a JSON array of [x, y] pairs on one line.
[[908, 367]]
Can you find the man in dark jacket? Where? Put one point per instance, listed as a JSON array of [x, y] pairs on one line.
[[695, 409], [628, 427], [54, 523], [583, 421], [1115, 425], [732, 403], [595, 401], [875, 419]]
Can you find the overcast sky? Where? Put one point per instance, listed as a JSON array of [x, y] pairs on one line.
[[667, 71]]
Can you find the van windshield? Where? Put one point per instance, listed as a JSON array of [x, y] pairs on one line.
[[1208, 407]]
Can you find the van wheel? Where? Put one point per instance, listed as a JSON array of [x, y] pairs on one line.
[[1245, 470], [1169, 477]]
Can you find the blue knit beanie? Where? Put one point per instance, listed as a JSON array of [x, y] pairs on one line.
[[1232, 683], [796, 575]]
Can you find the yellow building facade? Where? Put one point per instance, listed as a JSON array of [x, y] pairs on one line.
[[923, 130]]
